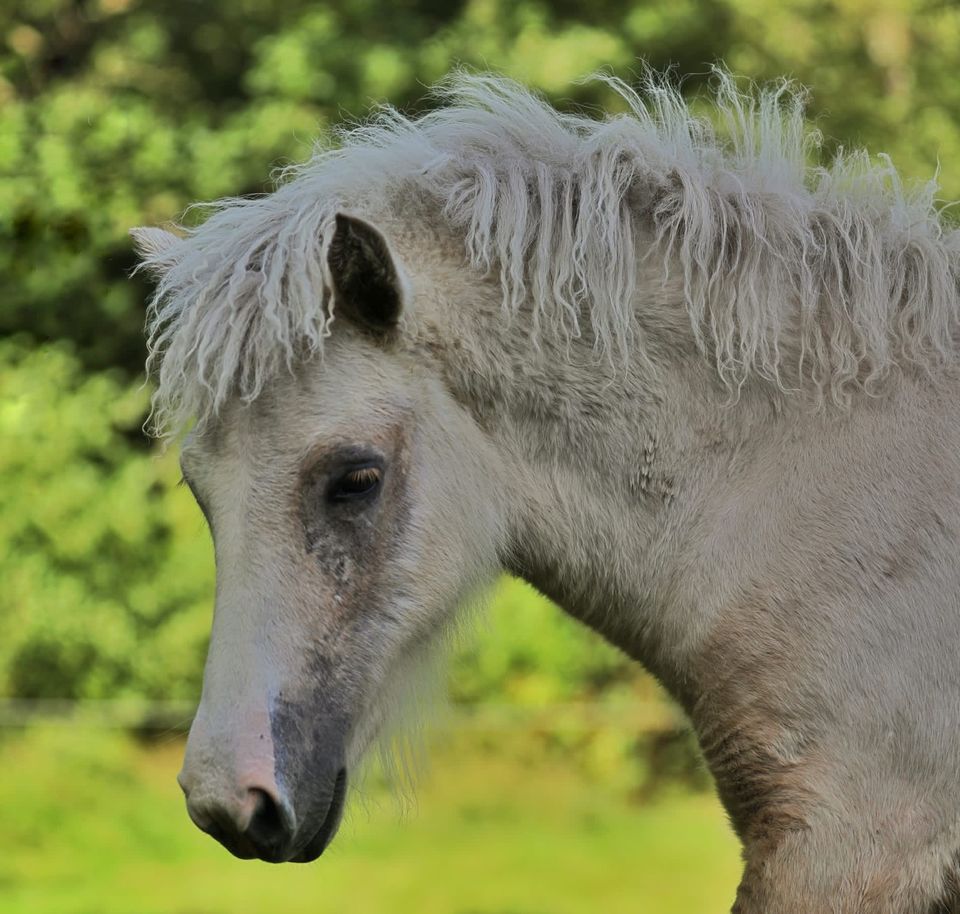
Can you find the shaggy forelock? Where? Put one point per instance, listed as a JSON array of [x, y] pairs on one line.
[[843, 265]]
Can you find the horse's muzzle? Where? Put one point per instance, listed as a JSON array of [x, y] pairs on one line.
[[262, 823]]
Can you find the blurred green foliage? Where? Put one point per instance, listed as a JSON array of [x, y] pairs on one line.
[[116, 113], [106, 568]]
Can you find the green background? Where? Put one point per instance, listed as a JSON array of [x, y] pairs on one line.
[[560, 782]]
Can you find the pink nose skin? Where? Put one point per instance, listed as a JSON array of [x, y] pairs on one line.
[[251, 818]]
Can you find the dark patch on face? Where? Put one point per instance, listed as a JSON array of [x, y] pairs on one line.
[[310, 739], [338, 534], [351, 541], [347, 545]]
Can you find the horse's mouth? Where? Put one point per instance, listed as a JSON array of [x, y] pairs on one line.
[[328, 828]]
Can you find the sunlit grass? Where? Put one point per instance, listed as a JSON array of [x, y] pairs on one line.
[[92, 823]]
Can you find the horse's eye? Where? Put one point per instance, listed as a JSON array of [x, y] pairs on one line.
[[360, 482]]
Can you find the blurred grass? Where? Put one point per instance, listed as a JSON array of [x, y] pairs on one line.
[[93, 823]]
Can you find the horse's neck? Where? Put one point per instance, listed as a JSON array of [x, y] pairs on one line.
[[606, 531], [672, 522], [610, 468]]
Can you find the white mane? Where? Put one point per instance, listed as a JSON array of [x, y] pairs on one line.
[[841, 264]]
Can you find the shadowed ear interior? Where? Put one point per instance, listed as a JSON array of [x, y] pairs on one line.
[[367, 284]]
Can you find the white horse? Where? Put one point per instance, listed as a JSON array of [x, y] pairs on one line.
[[702, 395]]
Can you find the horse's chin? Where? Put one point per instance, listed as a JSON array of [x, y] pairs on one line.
[[328, 827]]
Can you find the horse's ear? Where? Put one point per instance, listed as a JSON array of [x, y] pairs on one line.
[[155, 247], [368, 284]]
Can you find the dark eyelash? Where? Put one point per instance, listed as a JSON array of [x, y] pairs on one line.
[[365, 477], [357, 483]]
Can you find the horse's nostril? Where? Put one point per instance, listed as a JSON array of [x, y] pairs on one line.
[[270, 829]]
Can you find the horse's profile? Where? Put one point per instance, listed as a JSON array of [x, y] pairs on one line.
[[702, 394]]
